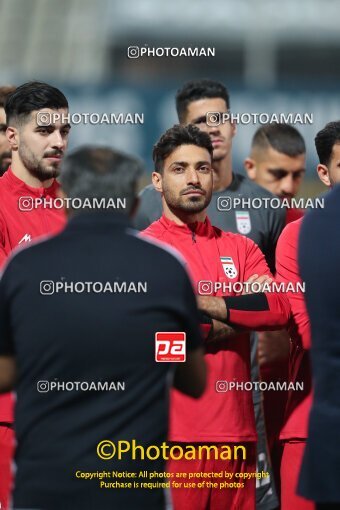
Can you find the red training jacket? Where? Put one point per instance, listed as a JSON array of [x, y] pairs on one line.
[[19, 224], [219, 415], [299, 402]]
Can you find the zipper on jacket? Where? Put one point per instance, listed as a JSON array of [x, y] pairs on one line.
[[193, 235]]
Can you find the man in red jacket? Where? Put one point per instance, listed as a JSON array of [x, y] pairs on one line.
[[215, 260], [277, 162], [37, 145]]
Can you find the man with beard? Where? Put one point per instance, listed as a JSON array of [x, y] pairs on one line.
[[277, 162], [37, 146], [183, 175], [194, 101], [5, 149]]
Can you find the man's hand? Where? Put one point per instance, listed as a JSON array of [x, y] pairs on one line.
[[213, 306], [259, 280], [222, 331]]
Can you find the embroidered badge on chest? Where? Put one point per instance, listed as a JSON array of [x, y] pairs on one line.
[[229, 267], [243, 223]]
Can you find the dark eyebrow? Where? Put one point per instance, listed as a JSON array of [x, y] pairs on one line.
[[181, 163], [204, 162], [198, 120], [283, 171], [49, 126]]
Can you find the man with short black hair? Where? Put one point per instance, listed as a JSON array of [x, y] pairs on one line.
[[194, 101], [327, 143], [263, 225], [5, 149], [277, 162], [103, 334], [183, 175], [37, 149]]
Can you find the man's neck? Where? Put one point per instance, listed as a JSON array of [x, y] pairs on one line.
[[182, 217], [20, 171], [222, 173]]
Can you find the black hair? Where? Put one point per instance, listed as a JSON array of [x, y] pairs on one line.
[[325, 140], [199, 89], [31, 96], [281, 137], [175, 137]]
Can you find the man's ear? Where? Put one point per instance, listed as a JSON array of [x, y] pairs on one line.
[[250, 167], [157, 181], [323, 174], [12, 136]]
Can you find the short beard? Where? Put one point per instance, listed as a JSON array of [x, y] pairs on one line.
[[35, 167], [191, 207]]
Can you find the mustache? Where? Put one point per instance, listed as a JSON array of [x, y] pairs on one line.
[[193, 188], [53, 153]]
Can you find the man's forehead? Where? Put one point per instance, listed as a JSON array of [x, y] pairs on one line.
[[50, 116], [205, 105], [273, 158], [189, 153]]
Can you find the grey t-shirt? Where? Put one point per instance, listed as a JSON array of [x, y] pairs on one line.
[[261, 224]]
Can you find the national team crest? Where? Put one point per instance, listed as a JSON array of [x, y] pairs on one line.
[[229, 267], [243, 222]]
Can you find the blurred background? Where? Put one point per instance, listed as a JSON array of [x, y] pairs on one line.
[[273, 57]]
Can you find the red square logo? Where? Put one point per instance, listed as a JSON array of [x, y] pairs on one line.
[[170, 347]]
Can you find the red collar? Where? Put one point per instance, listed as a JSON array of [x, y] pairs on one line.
[[14, 182], [200, 228]]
